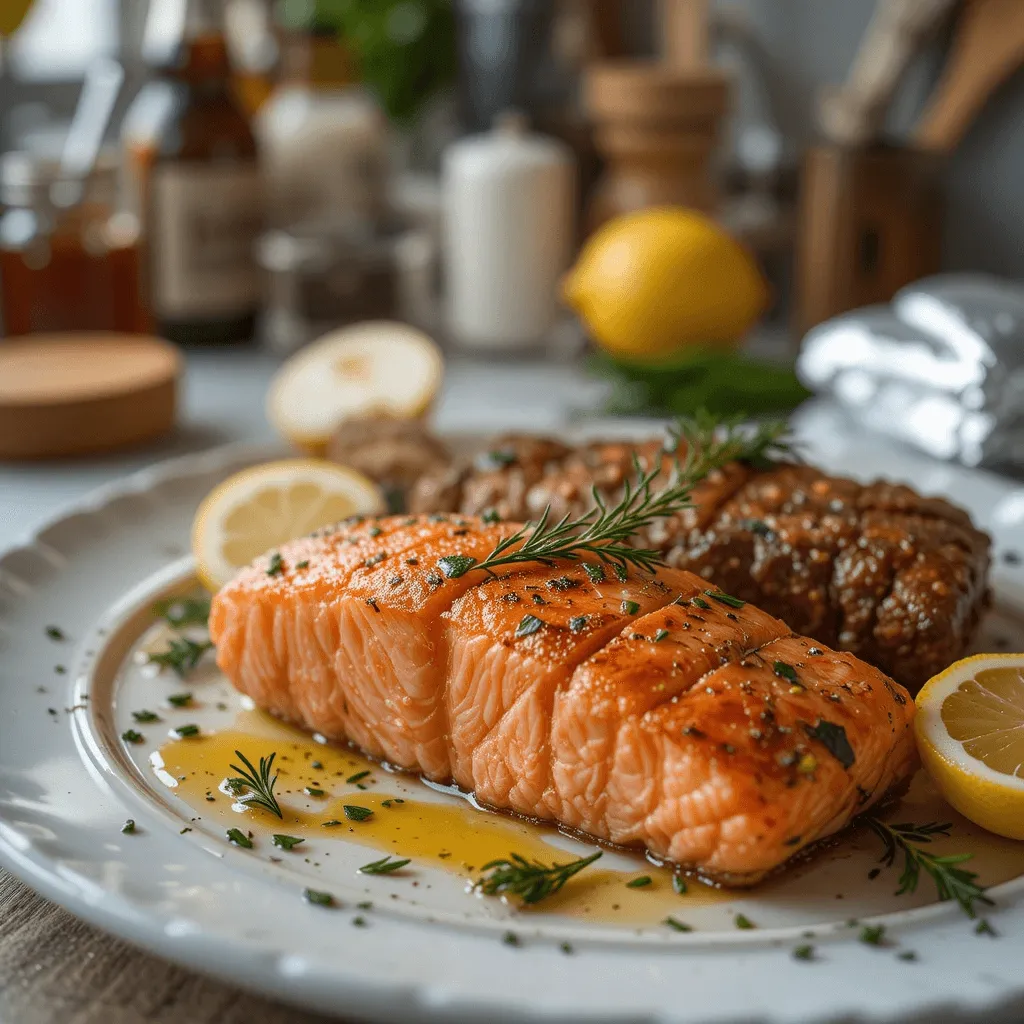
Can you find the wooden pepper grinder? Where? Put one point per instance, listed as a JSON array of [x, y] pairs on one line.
[[657, 122]]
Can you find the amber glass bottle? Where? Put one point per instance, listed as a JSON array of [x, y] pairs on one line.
[[202, 195]]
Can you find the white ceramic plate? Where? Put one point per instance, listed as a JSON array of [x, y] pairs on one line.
[[428, 951]]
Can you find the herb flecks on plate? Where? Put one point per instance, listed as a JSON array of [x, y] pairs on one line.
[[604, 533], [182, 655], [384, 866], [952, 882], [531, 881], [259, 782], [180, 612]]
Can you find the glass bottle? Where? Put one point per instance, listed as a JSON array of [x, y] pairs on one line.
[[202, 195]]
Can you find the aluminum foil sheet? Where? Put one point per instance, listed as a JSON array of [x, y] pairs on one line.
[[941, 367]]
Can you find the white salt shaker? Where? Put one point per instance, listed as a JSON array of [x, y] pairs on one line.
[[509, 209]]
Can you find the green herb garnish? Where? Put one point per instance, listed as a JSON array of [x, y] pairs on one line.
[[984, 928], [833, 738], [577, 623], [951, 881], [184, 731], [700, 603], [595, 572], [259, 783], [182, 655], [384, 866], [803, 953], [629, 607], [531, 881], [239, 838], [276, 566], [285, 842], [722, 598], [454, 566], [180, 700], [511, 939], [313, 791], [356, 813], [604, 532], [639, 883], [128, 828], [55, 633], [132, 736], [180, 612], [528, 625], [679, 885], [358, 776], [785, 671], [676, 925], [144, 717], [317, 898], [662, 634], [743, 922], [304, 564], [491, 516], [872, 935]]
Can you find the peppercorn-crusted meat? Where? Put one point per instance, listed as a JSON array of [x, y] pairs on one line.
[[653, 711], [877, 569]]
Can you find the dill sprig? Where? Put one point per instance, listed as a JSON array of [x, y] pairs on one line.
[[604, 532], [259, 783], [951, 881], [180, 612], [182, 655], [531, 881]]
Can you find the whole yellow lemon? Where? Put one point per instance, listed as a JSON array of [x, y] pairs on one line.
[[651, 284]]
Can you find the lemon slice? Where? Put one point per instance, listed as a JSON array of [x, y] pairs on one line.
[[261, 508], [970, 732], [369, 369]]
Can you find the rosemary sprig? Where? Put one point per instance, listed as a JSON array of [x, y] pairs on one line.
[[604, 532], [531, 881], [182, 655], [259, 782], [180, 612], [951, 881]]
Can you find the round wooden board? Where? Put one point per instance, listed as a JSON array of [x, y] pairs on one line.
[[78, 394]]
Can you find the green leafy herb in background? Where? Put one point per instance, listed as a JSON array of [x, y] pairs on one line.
[[404, 49], [723, 383]]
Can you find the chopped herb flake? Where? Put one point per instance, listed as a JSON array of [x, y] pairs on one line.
[[276, 566], [785, 671], [718, 595], [528, 625], [872, 935], [662, 634], [358, 776], [304, 564], [317, 898], [132, 736], [55, 633], [577, 623], [743, 922], [595, 572], [511, 939], [286, 842], [144, 717], [679, 884], [700, 603], [313, 791], [984, 928], [128, 828], [639, 883], [182, 731], [833, 738], [629, 607], [676, 925], [182, 655], [491, 516], [180, 700], [180, 612], [384, 866], [454, 566], [239, 838], [805, 952], [356, 813]]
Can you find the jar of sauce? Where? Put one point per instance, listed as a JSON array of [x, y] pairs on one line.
[[69, 259]]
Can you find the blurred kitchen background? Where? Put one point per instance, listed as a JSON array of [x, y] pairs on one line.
[[258, 173]]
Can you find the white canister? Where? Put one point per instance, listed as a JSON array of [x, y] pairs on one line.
[[509, 208]]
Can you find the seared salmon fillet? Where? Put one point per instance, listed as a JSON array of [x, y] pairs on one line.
[[652, 711]]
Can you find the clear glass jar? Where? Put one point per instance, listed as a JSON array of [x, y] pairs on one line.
[[69, 259]]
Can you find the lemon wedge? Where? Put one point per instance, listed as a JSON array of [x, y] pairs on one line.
[[369, 369], [260, 508], [970, 732]]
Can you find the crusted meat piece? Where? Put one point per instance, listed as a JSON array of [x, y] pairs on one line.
[[897, 578]]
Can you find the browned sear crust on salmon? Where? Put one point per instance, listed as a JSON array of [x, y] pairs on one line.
[[653, 711]]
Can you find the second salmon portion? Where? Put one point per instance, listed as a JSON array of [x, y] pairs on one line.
[[650, 711]]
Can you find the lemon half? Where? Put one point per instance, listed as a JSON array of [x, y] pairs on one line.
[[260, 508], [970, 732], [377, 368]]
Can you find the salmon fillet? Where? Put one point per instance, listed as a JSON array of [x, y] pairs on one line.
[[651, 711]]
